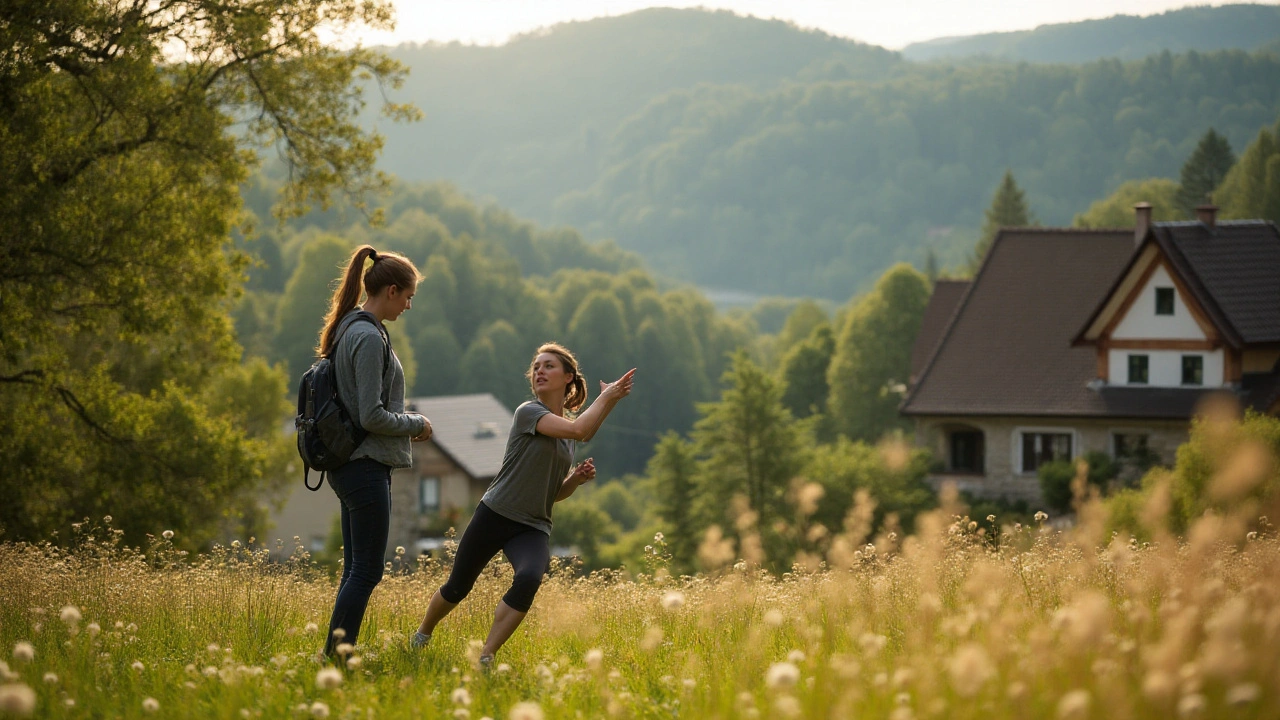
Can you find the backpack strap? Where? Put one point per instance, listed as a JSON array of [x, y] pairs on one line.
[[368, 317], [307, 482]]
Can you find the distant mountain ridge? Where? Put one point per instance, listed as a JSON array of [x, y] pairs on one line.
[[1126, 37], [755, 156]]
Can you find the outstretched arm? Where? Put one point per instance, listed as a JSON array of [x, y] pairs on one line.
[[582, 473], [584, 427]]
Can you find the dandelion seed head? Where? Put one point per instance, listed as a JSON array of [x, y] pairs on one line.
[[1041, 516], [344, 649], [991, 518], [461, 713], [1192, 705], [339, 633], [773, 617], [526, 711], [354, 662], [93, 629], [399, 550], [781, 676], [503, 668], [70, 614], [150, 705], [970, 669], [594, 658], [1243, 694], [311, 628], [235, 543], [138, 666], [1073, 705], [50, 678], [460, 696], [167, 534], [328, 678], [795, 656], [787, 706], [17, 699], [673, 600], [24, 651], [319, 710]]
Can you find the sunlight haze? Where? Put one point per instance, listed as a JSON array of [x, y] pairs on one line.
[[889, 24]]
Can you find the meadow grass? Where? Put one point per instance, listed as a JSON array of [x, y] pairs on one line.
[[965, 619]]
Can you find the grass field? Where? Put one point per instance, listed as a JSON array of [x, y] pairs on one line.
[[966, 619]]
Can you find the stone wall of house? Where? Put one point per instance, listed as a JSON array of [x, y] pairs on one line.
[[1002, 477], [407, 521]]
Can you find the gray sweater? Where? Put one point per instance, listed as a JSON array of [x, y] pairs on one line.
[[361, 379]]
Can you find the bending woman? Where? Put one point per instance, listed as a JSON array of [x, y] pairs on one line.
[[537, 471], [370, 383]]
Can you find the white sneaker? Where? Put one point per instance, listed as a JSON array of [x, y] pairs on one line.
[[419, 640]]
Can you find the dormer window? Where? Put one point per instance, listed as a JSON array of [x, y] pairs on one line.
[[1138, 373], [1164, 301], [1192, 369]]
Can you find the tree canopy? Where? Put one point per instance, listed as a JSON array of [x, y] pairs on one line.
[[125, 131], [1203, 171]]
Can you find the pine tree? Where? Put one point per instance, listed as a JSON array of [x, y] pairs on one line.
[[1008, 209], [672, 469], [1203, 172], [1252, 187]]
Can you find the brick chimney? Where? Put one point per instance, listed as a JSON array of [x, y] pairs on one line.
[[1142, 216], [1207, 214]]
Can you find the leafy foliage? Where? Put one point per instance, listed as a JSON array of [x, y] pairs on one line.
[[119, 172], [1203, 172], [1116, 210], [1251, 188]]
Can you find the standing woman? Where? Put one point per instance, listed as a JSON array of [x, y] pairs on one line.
[[537, 471], [370, 384]]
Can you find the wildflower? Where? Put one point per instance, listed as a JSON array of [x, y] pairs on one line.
[[673, 600], [1252, 535], [167, 534], [24, 651], [319, 709], [235, 543], [1242, 694], [460, 696], [1041, 516], [106, 519], [970, 669], [354, 662], [51, 678], [138, 666], [69, 702], [209, 671], [526, 711], [658, 537], [594, 658], [17, 699], [311, 627], [150, 705], [787, 706], [991, 518], [795, 656], [1074, 704], [70, 614], [345, 649], [339, 633], [461, 713], [504, 668], [328, 678], [399, 550], [781, 676], [93, 628], [773, 618]]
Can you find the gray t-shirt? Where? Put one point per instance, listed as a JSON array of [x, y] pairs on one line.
[[533, 468]]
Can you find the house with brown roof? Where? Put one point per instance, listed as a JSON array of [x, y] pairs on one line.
[[1069, 341], [449, 475]]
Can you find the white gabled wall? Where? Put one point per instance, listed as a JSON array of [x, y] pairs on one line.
[[1164, 367], [1142, 323]]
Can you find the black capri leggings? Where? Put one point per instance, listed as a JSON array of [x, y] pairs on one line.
[[527, 548]]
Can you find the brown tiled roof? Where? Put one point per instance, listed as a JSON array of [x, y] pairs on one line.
[[471, 429], [1008, 349], [1233, 269], [942, 305]]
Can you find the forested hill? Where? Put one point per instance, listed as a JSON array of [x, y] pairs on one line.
[[751, 155], [1203, 29], [529, 119]]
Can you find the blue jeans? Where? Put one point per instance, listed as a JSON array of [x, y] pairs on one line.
[[363, 488]]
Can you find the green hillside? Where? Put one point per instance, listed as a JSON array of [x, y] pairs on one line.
[[1203, 29], [751, 156]]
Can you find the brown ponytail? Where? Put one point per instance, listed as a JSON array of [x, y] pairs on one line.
[[576, 396], [388, 268]]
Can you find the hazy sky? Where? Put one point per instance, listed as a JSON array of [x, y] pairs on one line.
[[891, 23]]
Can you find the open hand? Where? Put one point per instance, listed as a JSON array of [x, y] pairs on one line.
[[619, 388], [584, 472]]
